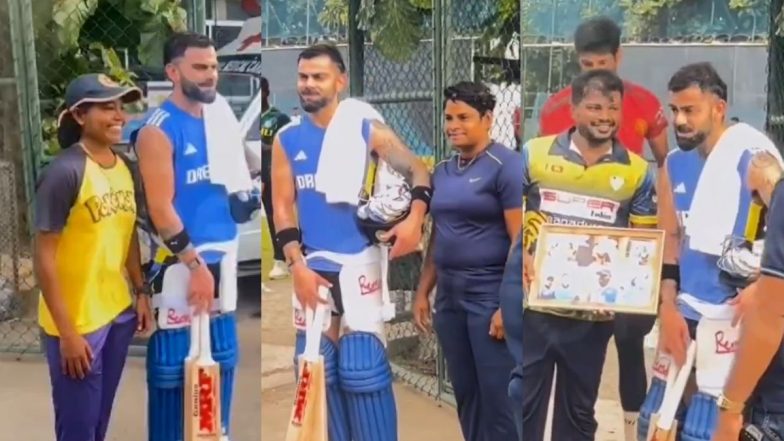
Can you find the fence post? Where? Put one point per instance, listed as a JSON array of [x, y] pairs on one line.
[[23, 43], [356, 51], [197, 16]]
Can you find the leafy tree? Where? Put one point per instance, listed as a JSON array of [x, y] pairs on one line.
[[74, 37]]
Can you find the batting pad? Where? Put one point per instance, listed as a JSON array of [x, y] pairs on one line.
[[166, 352], [701, 418], [366, 380], [337, 419], [650, 406]]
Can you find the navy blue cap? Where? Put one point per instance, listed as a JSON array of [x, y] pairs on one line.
[[97, 88]]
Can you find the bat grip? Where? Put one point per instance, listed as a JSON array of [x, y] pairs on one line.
[[385, 299], [205, 352], [193, 349], [314, 320]]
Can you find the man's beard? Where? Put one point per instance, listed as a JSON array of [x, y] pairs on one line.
[[194, 92], [312, 106], [687, 144], [594, 141]]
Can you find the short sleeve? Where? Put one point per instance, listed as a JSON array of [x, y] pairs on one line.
[[656, 120], [643, 205], [57, 191], [773, 253], [510, 182]]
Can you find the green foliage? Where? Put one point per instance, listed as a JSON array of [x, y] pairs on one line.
[[74, 37]]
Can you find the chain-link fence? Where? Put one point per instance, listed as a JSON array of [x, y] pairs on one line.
[[18, 297], [407, 88]]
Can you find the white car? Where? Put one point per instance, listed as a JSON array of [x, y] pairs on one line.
[[249, 255]]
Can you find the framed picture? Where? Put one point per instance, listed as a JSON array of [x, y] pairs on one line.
[[591, 268]]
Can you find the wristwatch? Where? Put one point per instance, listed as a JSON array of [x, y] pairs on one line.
[[145, 289], [727, 405]]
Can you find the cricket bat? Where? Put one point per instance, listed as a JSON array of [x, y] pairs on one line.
[[664, 426], [202, 410], [308, 421]]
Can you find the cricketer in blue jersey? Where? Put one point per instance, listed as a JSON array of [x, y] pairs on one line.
[[325, 246], [695, 281], [193, 223]]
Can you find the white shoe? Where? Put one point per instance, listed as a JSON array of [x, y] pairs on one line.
[[279, 270], [264, 288]]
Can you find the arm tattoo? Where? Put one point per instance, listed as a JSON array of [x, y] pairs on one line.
[[395, 153], [764, 172]]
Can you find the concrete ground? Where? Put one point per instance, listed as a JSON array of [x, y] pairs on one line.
[[26, 410], [439, 420]]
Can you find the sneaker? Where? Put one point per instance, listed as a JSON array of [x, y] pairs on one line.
[[279, 270], [264, 288]]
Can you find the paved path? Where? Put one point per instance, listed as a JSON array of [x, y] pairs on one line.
[[413, 407]]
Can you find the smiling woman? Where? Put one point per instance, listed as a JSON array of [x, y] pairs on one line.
[[85, 245], [476, 211]]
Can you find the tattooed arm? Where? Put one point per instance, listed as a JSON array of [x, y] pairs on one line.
[[388, 146], [764, 172]]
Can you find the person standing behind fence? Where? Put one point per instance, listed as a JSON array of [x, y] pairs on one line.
[[272, 120], [85, 245], [597, 43], [477, 213]]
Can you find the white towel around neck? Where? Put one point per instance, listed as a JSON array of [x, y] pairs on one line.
[[226, 147], [344, 153], [717, 196]]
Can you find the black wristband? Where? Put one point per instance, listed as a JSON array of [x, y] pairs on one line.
[[422, 193], [286, 236], [671, 271], [179, 242]]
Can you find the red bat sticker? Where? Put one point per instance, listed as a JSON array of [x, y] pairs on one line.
[[206, 405], [301, 396]]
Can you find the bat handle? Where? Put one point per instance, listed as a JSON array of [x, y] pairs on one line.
[[314, 319], [205, 354], [387, 307], [193, 350]]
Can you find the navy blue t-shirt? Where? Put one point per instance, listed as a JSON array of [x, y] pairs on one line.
[[468, 212], [770, 389]]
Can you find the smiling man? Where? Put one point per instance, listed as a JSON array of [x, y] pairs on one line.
[[585, 164]]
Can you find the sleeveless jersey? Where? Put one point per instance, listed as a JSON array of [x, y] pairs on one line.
[[324, 226], [93, 209], [203, 207], [699, 272], [617, 191]]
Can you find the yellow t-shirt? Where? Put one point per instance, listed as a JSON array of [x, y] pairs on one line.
[[94, 210]]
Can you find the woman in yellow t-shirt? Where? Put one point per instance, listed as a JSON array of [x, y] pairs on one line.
[[86, 251]]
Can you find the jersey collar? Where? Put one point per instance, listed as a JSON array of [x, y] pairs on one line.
[[562, 147]]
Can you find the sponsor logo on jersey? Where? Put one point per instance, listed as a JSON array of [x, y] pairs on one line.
[[306, 181], [198, 174], [109, 204], [577, 206]]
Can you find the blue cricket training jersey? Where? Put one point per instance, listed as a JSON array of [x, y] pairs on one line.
[[203, 207], [324, 226], [699, 272], [468, 207]]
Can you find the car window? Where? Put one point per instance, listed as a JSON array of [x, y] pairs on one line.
[[254, 133]]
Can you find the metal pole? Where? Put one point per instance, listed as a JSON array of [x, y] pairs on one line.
[[356, 51], [197, 16]]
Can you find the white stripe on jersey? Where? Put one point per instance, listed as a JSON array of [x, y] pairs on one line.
[[158, 117]]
